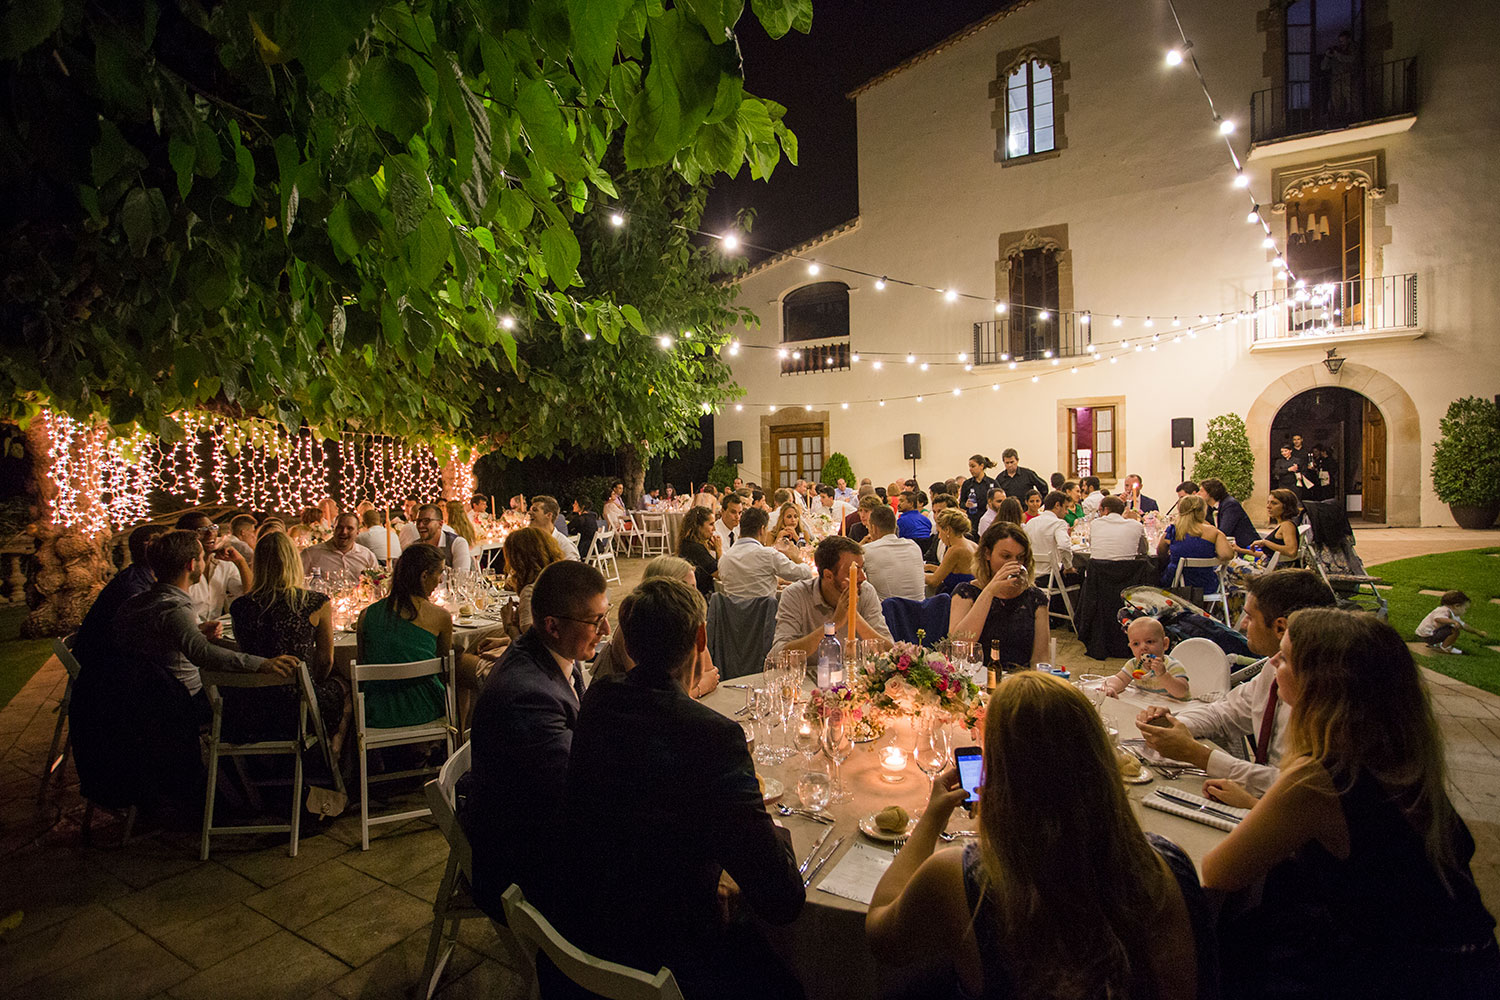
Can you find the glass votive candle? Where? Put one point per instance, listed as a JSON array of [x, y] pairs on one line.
[[893, 764]]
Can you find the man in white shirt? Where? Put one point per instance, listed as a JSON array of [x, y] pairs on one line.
[[374, 537], [807, 606], [434, 532], [803, 494], [1090, 486], [1050, 545], [544, 513], [844, 493], [1253, 709], [833, 507], [225, 576], [341, 554], [1111, 536], [892, 563], [728, 522], [751, 568], [992, 510]]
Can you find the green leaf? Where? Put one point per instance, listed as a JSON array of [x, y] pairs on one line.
[[721, 147], [718, 17], [508, 345], [143, 217], [182, 156], [112, 155], [560, 254], [593, 25], [727, 98], [341, 232], [429, 248], [633, 317], [547, 132], [326, 29], [780, 16], [679, 92], [409, 192], [287, 161], [25, 25], [392, 97], [210, 157], [244, 178]]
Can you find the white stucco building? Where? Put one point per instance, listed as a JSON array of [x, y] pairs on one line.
[[1049, 162]]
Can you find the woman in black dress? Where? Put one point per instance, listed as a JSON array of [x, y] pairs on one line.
[[974, 494], [1000, 604], [700, 546]]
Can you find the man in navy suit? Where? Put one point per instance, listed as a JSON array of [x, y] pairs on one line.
[[1228, 514], [511, 799], [1134, 499], [663, 804]]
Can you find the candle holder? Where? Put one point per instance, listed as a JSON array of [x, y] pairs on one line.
[[893, 764]]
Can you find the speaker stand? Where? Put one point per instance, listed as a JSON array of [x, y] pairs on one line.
[[1182, 455], [914, 469]]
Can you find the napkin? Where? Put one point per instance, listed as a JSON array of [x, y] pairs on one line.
[[1188, 812], [857, 873]]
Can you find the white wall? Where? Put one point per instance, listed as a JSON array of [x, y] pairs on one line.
[[1153, 226]]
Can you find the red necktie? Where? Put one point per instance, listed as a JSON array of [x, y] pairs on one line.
[[1263, 741]]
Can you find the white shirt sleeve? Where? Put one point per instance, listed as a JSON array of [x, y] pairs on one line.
[[461, 558], [1256, 778], [788, 570], [1063, 544]]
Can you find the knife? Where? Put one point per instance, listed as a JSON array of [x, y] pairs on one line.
[[802, 868], [1168, 794], [819, 866]]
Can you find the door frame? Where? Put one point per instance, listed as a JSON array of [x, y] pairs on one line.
[[785, 420]]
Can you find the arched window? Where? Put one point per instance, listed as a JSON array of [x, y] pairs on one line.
[[1029, 105], [818, 311]]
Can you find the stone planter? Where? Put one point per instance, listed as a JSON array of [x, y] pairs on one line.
[[1476, 518]]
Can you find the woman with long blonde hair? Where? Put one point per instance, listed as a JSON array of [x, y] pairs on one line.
[[1367, 887], [458, 520], [1064, 896], [1190, 536], [528, 551]]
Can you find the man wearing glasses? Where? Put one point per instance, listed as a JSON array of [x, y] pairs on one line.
[[226, 577], [523, 734]]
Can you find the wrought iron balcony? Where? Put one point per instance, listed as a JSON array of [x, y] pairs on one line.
[[804, 359], [1031, 338], [1334, 102], [1367, 305]]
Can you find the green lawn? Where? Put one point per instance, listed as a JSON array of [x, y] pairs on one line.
[[1475, 572], [19, 658]]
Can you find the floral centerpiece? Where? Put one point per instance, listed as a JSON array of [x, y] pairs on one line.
[[910, 679], [866, 726]]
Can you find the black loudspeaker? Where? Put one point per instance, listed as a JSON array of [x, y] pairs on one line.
[[911, 446], [735, 451], [1182, 432]]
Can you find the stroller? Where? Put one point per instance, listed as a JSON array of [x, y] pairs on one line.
[[1181, 619], [1329, 543]]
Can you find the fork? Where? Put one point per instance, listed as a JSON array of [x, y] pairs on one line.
[[898, 843]]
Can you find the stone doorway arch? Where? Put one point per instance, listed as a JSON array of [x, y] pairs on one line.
[[1403, 434]]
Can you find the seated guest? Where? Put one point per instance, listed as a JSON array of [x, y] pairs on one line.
[[161, 626], [1149, 668], [544, 514], [1000, 605], [788, 535], [806, 606], [857, 524], [614, 507], [646, 757], [1092, 492], [479, 507], [269, 525], [1113, 537], [95, 636], [375, 537], [584, 523], [1050, 543], [614, 657], [728, 521], [1136, 500], [707, 496], [1033, 506], [341, 555], [1186, 488], [912, 523], [431, 530], [1284, 510], [278, 616], [1028, 911], [226, 575], [528, 551], [699, 545], [758, 499], [404, 627], [312, 517], [409, 533], [511, 799], [893, 564], [460, 525], [991, 510], [1361, 861], [1243, 711], [652, 499], [751, 568], [1227, 513], [841, 491], [242, 535], [1190, 536], [827, 503], [957, 562], [1074, 511]]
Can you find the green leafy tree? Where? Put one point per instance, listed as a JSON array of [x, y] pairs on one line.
[[342, 212], [723, 472], [837, 467], [1466, 459], [1225, 455]]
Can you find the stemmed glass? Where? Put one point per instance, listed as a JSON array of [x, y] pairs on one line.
[[932, 748], [788, 686], [758, 707], [838, 745]]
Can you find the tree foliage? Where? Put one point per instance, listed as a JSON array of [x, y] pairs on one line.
[[723, 472], [361, 213], [1225, 455], [837, 467], [1466, 460]]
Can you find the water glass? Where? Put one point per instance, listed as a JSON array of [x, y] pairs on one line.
[[814, 789], [808, 739], [1092, 685], [932, 748], [838, 744]]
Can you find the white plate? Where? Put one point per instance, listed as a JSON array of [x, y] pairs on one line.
[[466, 622], [868, 827], [773, 790], [1143, 778]]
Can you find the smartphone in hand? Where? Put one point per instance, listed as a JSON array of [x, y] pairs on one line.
[[970, 761]]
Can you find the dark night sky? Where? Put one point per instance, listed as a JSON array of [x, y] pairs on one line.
[[851, 41]]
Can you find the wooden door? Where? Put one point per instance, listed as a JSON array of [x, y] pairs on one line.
[[1374, 464], [1354, 255], [797, 451]]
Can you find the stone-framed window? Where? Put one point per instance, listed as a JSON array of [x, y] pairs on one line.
[[1030, 102]]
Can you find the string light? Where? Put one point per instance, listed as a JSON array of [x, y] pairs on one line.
[[617, 220], [880, 284], [730, 242]]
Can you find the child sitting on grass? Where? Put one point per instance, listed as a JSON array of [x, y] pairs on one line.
[[1444, 622], [1152, 670]]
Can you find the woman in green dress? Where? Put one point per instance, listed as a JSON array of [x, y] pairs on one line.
[[404, 627]]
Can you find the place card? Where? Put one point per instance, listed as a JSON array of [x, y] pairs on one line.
[[858, 873]]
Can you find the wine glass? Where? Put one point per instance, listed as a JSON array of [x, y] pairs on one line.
[[814, 789], [758, 707], [808, 739], [932, 748], [787, 689], [838, 745]]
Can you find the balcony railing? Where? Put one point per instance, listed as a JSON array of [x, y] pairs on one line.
[[1032, 338], [1334, 102], [804, 359], [1339, 307]]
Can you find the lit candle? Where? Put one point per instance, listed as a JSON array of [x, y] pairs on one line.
[[893, 764], [853, 598]]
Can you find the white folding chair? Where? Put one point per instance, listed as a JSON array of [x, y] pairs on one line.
[[373, 738], [1220, 596], [602, 556], [606, 979], [1056, 586], [1206, 664], [629, 532], [57, 762], [655, 540]]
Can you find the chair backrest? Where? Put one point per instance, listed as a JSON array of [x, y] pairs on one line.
[[397, 671], [441, 797], [606, 979], [1206, 664], [740, 633], [904, 617], [63, 650], [237, 679], [652, 522], [603, 543], [1204, 562]]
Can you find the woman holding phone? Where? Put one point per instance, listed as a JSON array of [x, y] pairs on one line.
[[1000, 604]]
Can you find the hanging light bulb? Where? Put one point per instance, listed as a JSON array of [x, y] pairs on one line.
[[807, 407], [1084, 319], [730, 242], [854, 359], [1254, 215], [923, 366], [1148, 322], [843, 406], [911, 359], [1036, 378], [734, 348], [919, 399], [813, 268], [878, 365], [796, 355], [1118, 321], [666, 343], [617, 220], [880, 284], [1241, 179], [1174, 58], [508, 322], [781, 353], [739, 407], [1268, 243], [772, 407], [1000, 308], [1226, 127], [957, 390], [882, 402], [994, 386]]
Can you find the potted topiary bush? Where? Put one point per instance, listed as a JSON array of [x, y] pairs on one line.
[[837, 467], [1225, 455], [723, 472], [1466, 462]]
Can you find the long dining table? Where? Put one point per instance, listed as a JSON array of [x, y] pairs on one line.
[[826, 945]]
